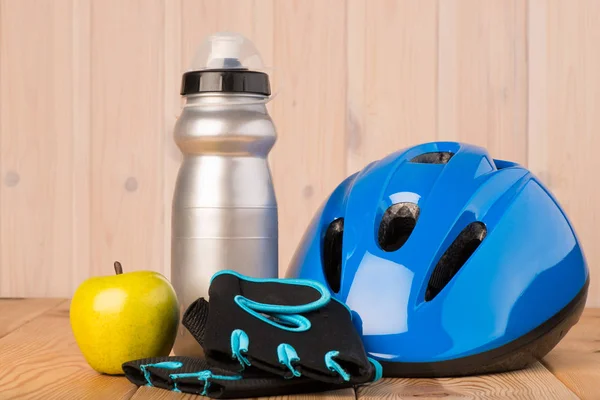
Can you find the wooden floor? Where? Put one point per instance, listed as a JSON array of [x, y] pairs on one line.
[[40, 360]]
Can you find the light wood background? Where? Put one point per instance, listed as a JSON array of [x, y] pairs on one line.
[[89, 97]]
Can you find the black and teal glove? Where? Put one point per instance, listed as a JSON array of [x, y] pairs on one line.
[[263, 338], [194, 375], [288, 327]]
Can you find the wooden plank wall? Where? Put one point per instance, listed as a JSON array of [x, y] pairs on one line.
[[89, 96]]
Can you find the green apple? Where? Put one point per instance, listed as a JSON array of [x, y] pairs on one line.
[[124, 317]]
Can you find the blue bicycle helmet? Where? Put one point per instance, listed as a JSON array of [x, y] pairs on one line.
[[453, 263]]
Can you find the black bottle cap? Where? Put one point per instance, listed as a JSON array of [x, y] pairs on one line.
[[225, 81]]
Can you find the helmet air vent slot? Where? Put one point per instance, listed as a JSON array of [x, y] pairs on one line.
[[455, 257], [397, 223], [332, 254], [436, 157]]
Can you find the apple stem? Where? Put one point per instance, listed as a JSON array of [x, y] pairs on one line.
[[118, 268]]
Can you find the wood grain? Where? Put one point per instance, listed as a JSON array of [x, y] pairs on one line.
[[537, 107], [309, 158], [535, 382], [391, 100], [42, 361], [16, 312], [172, 105], [482, 75], [127, 135], [563, 105], [82, 149], [576, 360], [36, 145], [147, 393]]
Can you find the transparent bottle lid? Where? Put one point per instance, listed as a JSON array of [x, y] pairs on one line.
[[227, 50]]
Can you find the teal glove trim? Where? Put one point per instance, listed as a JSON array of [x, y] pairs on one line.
[[287, 322], [332, 365], [275, 308], [204, 376], [165, 365], [378, 369], [239, 345], [287, 355]]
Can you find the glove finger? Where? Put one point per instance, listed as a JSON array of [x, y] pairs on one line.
[[352, 367], [178, 374], [195, 319], [196, 376], [265, 385], [143, 372]]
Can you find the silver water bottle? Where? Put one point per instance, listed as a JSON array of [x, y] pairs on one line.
[[224, 213]]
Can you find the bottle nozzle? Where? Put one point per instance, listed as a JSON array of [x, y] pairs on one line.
[[227, 50]]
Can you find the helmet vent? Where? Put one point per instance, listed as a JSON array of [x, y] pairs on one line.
[[332, 254], [436, 157], [396, 225], [455, 257]]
